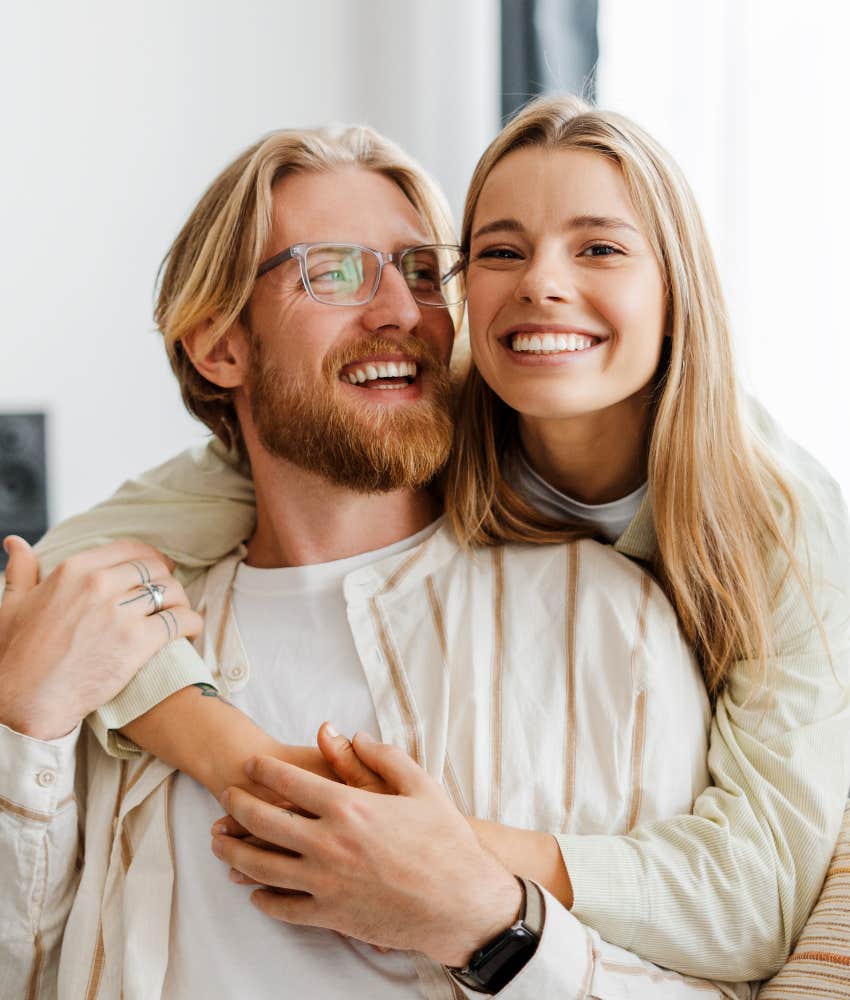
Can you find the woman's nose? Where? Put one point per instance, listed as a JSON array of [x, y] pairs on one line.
[[546, 278]]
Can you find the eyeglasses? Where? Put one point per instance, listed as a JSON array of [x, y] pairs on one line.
[[345, 274]]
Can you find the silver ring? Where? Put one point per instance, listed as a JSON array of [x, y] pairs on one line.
[[156, 592]]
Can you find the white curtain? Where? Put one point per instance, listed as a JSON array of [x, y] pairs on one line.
[[751, 97]]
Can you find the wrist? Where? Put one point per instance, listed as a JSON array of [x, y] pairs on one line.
[[25, 717], [492, 914]]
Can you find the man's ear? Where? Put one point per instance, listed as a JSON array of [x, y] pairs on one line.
[[223, 363]]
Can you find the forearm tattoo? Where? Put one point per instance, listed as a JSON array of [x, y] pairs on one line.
[[208, 691]]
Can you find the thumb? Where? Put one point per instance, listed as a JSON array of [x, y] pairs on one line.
[[399, 770], [21, 570], [344, 762]]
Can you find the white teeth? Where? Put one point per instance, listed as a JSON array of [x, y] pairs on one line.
[[389, 369], [549, 343]]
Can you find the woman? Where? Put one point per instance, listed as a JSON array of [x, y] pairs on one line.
[[602, 398]]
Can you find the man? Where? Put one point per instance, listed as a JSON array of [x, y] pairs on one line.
[[327, 363]]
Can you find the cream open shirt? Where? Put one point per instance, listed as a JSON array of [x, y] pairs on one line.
[[545, 687], [724, 891]]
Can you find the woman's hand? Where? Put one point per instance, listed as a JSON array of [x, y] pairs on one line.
[[70, 643]]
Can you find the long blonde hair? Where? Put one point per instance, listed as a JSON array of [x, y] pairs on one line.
[[209, 271], [721, 507]]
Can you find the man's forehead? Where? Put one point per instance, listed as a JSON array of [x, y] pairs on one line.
[[349, 204]]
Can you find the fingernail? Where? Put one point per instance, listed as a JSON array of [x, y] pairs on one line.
[[219, 829], [251, 766], [367, 737], [217, 847], [330, 729], [225, 799], [236, 876]]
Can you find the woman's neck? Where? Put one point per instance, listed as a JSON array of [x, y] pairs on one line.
[[595, 458]]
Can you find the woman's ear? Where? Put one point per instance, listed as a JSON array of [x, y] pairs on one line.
[[224, 362]]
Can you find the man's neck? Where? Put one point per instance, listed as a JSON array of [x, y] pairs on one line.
[[303, 519]]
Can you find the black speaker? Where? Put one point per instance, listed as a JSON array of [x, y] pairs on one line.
[[23, 477]]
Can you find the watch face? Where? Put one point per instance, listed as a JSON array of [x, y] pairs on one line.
[[495, 965]]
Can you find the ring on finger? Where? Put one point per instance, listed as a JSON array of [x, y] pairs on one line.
[[157, 594]]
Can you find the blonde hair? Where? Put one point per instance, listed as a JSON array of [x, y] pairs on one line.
[[721, 507], [209, 271]]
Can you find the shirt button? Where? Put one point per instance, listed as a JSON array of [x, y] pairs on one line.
[[236, 673], [46, 778]]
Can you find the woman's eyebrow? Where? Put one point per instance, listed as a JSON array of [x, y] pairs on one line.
[[576, 222], [499, 225], [600, 222]]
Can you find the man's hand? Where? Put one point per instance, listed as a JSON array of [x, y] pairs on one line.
[[401, 871], [71, 643]]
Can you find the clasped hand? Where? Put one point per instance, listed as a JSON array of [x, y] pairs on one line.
[[401, 870]]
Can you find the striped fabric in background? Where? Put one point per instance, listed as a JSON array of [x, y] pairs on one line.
[[819, 965]]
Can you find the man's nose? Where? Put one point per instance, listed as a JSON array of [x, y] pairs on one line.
[[547, 277], [393, 304]]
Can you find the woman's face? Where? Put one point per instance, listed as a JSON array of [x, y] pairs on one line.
[[566, 298]]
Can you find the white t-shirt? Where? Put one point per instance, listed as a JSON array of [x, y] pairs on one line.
[[304, 669], [611, 519]]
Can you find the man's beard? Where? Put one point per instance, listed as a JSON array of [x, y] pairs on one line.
[[369, 448]]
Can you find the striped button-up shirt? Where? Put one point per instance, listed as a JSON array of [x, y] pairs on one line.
[[546, 688]]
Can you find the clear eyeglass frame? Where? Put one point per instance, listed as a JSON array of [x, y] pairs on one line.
[[450, 292]]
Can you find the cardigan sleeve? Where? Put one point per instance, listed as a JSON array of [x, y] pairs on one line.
[[748, 863], [196, 507]]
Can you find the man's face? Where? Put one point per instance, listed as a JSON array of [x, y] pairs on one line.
[[307, 399]]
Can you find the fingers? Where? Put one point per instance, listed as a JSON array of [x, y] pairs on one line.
[[21, 569], [161, 592], [265, 866], [136, 574], [171, 623], [348, 767], [273, 824], [399, 771], [114, 554], [308, 791], [290, 908]]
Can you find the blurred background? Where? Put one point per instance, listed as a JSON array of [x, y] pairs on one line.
[[117, 116]]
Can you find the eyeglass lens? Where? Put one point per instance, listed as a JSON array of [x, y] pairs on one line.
[[347, 275]]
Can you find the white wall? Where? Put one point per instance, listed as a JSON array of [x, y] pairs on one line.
[[751, 97], [116, 118]]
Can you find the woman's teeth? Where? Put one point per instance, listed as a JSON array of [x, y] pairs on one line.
[[401, 370], [551, 343]]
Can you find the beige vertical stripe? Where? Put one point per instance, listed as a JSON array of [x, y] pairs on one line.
[[438, 617], [402, 571], [35, 975], [399, 681], [639, 726], [140, 770], [452, 786], [450, 780], [496, 680], [573, 559], [97, 961]]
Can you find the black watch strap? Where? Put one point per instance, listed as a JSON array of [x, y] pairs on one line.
[[495, 964]]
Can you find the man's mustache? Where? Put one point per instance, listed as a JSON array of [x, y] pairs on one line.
[[411, 347]]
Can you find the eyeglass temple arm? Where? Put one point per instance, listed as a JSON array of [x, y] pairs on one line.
[[275, 261], [454, 271]]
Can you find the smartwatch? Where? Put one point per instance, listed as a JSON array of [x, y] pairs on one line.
[[494, 965]]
